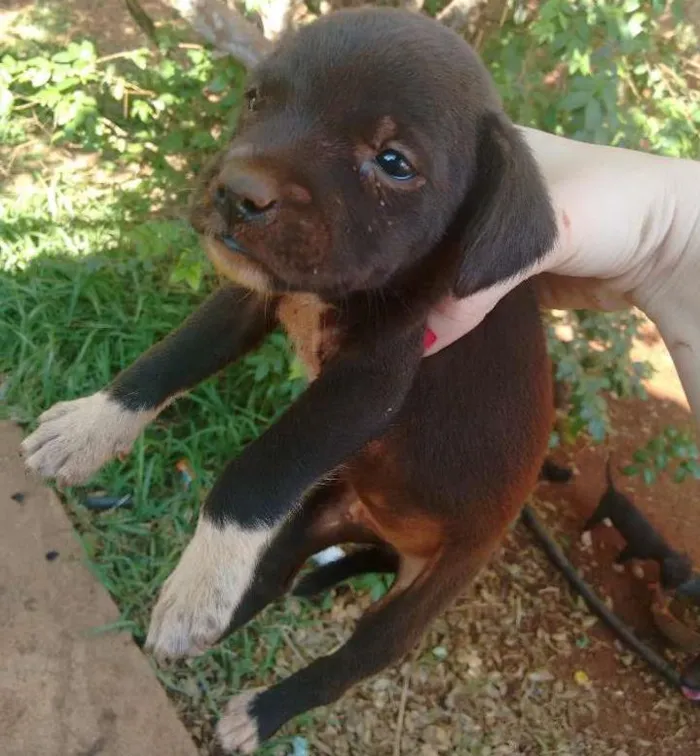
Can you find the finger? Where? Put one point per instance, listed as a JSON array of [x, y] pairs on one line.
[[453, 318], [447, 325]]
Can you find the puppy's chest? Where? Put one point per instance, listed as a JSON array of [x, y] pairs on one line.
[[313, 327]]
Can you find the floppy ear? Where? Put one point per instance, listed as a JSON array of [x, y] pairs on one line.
[[506, 222]]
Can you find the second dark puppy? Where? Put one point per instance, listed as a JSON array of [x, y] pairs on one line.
[[643, 541], [373, 173]]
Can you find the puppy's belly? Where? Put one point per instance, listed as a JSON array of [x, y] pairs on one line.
[[312, 326]]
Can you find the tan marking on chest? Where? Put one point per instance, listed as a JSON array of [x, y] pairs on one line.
[[310, 325]]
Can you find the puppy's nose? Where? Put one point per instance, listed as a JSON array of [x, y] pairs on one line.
[[246, 197]]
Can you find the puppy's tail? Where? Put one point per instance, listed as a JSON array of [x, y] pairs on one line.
[[361, 562], [608, 472]]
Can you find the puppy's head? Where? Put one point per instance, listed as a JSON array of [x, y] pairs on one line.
[[372, 141]]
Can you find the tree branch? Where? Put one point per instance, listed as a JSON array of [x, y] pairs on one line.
[[276, 16], [224, 28], [228, 31], [459, 13], [142, 20]]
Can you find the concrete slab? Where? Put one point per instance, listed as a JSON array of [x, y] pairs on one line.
[[65, 690]]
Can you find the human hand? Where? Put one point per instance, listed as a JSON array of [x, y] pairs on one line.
[[629, 234]]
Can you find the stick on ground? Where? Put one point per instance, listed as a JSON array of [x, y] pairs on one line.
[[598, 607]]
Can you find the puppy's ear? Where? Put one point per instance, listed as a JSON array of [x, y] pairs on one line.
[[506, 222]]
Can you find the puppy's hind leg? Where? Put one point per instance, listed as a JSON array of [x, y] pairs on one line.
[[389, 630], [376, 559]]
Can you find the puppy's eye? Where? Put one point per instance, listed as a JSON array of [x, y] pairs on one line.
[[395, 165], [252, 98]]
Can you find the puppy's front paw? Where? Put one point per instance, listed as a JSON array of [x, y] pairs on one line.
[[237, 731], [74, 439], [199, 599], [254, 716]]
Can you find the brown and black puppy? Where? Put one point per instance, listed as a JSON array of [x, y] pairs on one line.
[[644, 542], [373, 172]]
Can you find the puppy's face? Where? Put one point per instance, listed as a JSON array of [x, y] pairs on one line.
[[358, 150]]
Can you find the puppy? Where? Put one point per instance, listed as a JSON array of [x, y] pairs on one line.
[[372, 173], [643, 541]]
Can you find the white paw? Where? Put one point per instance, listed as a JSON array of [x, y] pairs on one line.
[[198, 600], [237, 731], [74, 439]]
